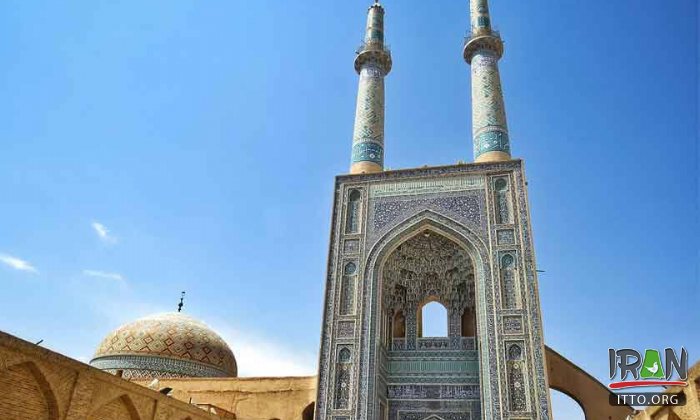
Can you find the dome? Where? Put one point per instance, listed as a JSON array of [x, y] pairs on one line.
[[169, 345]]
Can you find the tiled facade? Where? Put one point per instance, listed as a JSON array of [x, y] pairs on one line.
[[433, 233]]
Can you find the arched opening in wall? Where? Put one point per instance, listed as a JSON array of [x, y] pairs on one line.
[[432, 320], [468, 322], [565, 407], [308, 413]]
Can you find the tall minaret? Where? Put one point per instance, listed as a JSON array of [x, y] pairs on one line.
[[482, 50], [373, 62]]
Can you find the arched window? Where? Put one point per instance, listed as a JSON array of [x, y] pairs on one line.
[[468, 323], [432, 320], [565, 407], [352, 218]]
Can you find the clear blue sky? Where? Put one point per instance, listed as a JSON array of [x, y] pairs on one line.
[[205, 137]]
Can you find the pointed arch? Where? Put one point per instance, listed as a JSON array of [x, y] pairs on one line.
[[591, 395], [380, 250], [26, 377], [428, 220], [120, 408], [308, 413], [564, 405]]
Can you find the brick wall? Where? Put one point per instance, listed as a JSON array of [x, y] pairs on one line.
[[38, 384], [691, 411]]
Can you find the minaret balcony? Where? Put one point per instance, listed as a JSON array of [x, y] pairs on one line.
[[482, 40], [374, 52]]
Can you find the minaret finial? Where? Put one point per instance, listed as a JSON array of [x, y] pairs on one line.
[[182, 301], [373, 62], [482, 50]]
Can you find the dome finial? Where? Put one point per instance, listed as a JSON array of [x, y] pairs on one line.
[[181, 304]]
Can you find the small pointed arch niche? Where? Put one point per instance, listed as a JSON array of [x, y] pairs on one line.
[[352, 214], [121, 408], [25, 382], [398, 325], [468, 322], [348, 288]]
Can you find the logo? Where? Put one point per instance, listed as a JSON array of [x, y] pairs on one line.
[[650, 369]]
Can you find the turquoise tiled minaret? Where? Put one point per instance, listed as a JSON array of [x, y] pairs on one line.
[[482, 50], [372, 63]]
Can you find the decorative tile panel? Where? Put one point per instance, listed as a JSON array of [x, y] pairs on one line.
[[505, 237], [426, 186], [343, 378], [346, 329], [513, 324], [467, 207], [516, 377], [433, 392], [390, 216], [351, 246]]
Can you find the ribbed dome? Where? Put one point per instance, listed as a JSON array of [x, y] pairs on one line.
[[169, 345]]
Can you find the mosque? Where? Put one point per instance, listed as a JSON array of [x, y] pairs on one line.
[[457, 235]]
